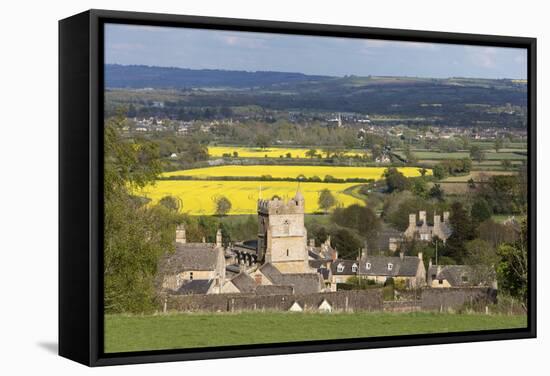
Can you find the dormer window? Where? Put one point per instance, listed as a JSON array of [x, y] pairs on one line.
[[390, 266], [340, 268], [354, 268], [368, 265]]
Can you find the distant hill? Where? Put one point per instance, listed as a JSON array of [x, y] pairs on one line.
[[142, 76]]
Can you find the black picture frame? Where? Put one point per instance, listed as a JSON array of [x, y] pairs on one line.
[[80, 186]]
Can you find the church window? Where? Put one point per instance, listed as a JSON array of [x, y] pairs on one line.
[[287, 252], [340, 268], [191, 275]]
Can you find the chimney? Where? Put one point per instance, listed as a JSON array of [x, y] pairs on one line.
[[422, 216], [180, 234], [312, 242], [446, 217], [219, 238], [334, 254], [437, 221], [430, 263], [203, 239], [412, 220], [420, 255], [364, 252], [401, 255]]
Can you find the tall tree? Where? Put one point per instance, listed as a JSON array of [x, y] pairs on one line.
[[513, 269], [135, 235], [326, 200], [463, 231]]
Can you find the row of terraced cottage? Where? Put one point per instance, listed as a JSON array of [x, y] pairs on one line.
[[282, 262]]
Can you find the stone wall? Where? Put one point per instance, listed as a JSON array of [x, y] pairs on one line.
[[361, 300], [430, 299], [444, 299]]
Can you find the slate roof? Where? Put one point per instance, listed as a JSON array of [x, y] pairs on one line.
[[379, 266], [347, 267], [303, 283], [270, 272], [453, 274], [244, 283], [274, 290], [189, 257], [382, 241], [196, 286]]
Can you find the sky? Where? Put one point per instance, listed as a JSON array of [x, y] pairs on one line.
[[331, 56]]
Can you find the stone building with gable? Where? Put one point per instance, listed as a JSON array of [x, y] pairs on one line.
[[420, 229], [178, 272]]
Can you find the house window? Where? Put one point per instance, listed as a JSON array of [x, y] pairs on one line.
[[191, 275], [464, 278], [390, 266], [440, 281], [354, 268], [368, 265], [340, 268], [433, 276]]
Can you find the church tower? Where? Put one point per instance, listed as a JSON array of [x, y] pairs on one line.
[[282, 235]]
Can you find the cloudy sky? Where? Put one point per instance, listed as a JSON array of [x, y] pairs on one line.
[[230, 50]]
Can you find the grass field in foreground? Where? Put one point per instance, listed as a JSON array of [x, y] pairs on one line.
[[198, 196], [187, 330], [293, 171]]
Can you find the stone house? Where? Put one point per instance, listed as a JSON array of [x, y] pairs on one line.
[[421, 230], [193, 262], [409, 269], [461, 276]]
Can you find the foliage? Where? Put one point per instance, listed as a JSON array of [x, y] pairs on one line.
[[437, 192], [135, 236], [463, 231], [395, 180], [326, 200], [477, 153], [513, 268], [481, 210], [359, 218], [223, 205], [346, 243]]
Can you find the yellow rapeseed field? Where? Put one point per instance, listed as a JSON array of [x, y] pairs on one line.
[[292, 171], [198, 196], [273, 152]]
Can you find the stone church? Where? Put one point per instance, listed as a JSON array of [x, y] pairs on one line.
[[282, 236]]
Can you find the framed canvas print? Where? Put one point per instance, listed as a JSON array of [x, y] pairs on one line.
[[236, 187]]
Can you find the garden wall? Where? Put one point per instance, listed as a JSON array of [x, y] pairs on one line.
[[443, 299], [360, 300]]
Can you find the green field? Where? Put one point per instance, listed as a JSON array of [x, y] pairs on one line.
[[192, 330]]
